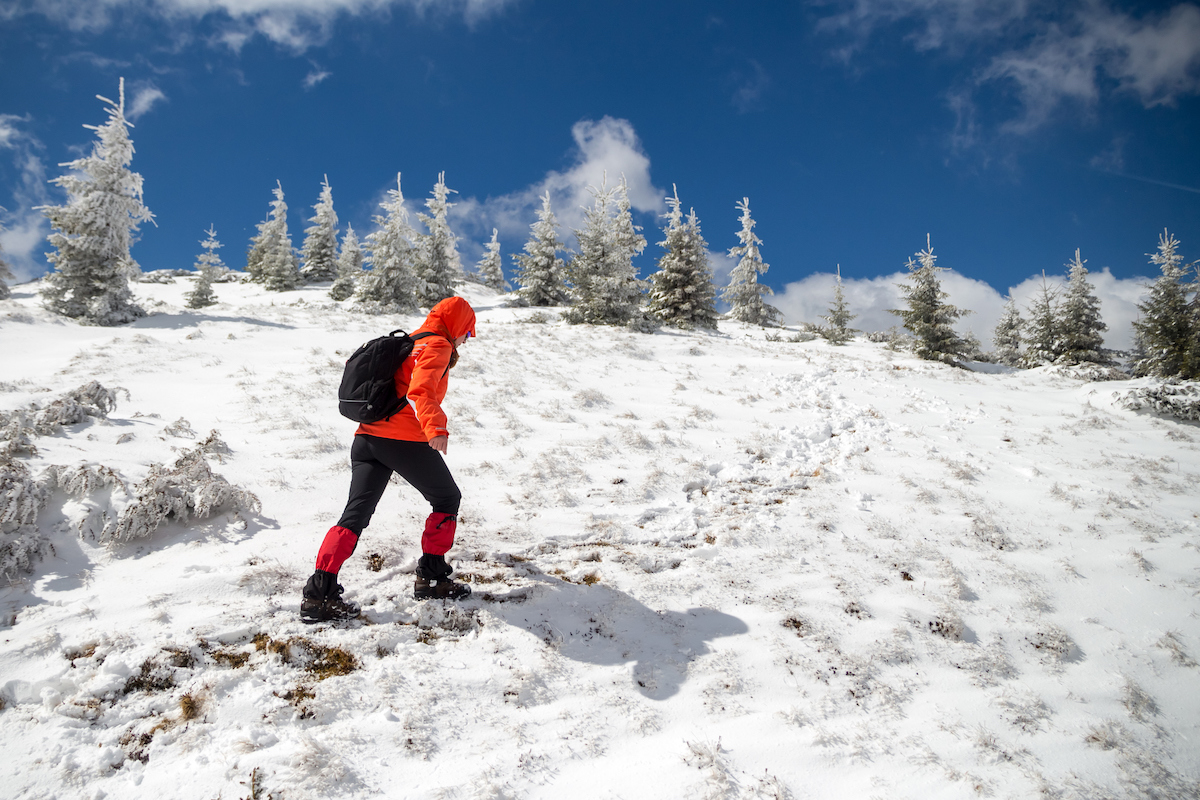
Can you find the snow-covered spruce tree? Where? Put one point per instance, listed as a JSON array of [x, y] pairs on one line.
[[438, 265], [1006, 337], [744, 293], [1166, 331], [1080, 328], [320, 250], [392, 282], [605, 289], [681, 292], [349, 266], [1043, 339], [628, 237], [5, 273], [208, 265], [839, 316], [278, 266], [254, 253], [93, 232], [539, 268], [491, 273], [929, 318]]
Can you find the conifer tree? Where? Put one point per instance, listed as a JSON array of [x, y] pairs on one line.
[[349, 266], [392, 281], [1007, 336], [604, 283], [93, 232], [540, 270], [254, 253], [320, 250], [1043, 339], [839, 316], [278, 266], [1166, 331], [744, 293], [1080, 327], [929, 318], [438, 265], [208, 267], [490, 271], [681, 292], [5, 274], [628, 237]]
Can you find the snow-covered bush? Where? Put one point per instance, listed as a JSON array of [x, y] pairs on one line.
[[1177, 398], [83, 479], [20, 550], [94, 230], [187, 489], [21, 497], [77, 405]]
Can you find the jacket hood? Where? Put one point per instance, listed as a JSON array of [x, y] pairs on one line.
[[452, 317]]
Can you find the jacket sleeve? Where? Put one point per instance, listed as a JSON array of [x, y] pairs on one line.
[[427, 386]]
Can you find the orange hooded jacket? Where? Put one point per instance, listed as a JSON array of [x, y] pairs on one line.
[[424, 376]]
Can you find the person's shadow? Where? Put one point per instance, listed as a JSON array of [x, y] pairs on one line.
[[601, 625]]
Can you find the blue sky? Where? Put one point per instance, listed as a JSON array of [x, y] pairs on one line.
[[1012, 132]]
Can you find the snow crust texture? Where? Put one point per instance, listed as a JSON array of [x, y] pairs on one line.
[[705, 565]]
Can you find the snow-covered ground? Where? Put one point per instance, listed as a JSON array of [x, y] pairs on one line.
[[705, 566]]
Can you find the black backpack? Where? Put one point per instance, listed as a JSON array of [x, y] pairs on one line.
[[368, 390]]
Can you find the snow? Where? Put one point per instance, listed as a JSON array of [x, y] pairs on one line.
[[705, 565]]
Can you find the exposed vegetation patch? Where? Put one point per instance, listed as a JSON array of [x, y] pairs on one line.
[[151, 677]]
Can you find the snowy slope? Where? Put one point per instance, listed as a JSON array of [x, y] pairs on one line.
[[705, 566]]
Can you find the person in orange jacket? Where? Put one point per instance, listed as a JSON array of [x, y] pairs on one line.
[[411, 444]]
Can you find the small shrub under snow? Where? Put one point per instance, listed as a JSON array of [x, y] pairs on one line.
[[189, 488], [1175, 398]]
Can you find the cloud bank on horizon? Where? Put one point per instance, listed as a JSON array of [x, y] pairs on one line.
[[870, 299]]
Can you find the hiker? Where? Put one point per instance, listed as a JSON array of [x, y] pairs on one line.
[[409, 443]]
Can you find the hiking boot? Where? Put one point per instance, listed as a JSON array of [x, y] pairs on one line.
[[439, 589], [433, 580], [322, 601]]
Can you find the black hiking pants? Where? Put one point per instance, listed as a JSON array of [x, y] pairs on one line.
[[373, 460]]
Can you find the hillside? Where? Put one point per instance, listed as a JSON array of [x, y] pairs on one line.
[[705, 565]]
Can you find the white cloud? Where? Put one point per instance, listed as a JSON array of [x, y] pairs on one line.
[[608, 146], [24, 236], [145, 96], [1050, 55], [295, 24], [316, 76], [751, 86], [870, 298]]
